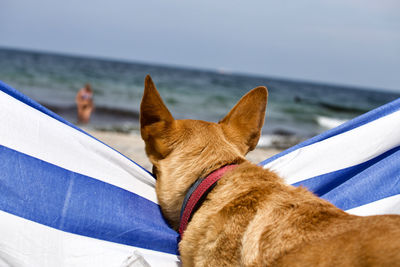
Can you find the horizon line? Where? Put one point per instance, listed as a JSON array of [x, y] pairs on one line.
[[220, 71]]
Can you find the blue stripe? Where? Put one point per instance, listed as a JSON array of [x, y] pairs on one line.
[[361, 184], [71, 202], [26, 100], [347, 126]]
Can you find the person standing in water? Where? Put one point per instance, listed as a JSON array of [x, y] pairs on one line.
[[84, 103]]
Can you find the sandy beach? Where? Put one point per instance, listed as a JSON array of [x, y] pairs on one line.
[[132, 146]]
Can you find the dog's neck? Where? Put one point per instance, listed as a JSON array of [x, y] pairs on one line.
[[171, 191], [197, 193]]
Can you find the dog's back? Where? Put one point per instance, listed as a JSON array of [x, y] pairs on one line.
[[251, 217]]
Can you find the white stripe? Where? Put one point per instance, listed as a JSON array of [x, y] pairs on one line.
[[389, 205], [27, 130], [24, 243], [341, 151]]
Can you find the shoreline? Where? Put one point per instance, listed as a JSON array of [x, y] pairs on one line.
[[132, 146]]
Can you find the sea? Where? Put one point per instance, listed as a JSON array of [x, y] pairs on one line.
[[296, 110]]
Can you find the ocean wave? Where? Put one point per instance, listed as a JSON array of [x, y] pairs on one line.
[[342, 108], [328, 122], [99, 110], [278, 141]]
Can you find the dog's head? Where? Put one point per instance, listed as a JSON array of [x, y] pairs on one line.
[[181, 151]]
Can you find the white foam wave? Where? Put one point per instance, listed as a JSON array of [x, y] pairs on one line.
[[328, 122], [278, 141]]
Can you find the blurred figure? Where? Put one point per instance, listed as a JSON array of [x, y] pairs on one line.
[[84, 103]]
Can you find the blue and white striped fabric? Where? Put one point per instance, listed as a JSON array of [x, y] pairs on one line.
[[66, 199], [355, 166]]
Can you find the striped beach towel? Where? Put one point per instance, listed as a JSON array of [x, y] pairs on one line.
[[355, 166], [67, 199]]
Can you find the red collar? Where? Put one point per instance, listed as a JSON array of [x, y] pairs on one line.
[[197, 193]]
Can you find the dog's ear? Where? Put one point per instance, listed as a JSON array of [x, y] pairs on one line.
[[156, 121], [243, 123]]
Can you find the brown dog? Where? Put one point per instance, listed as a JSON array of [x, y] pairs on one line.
[[251, 217]]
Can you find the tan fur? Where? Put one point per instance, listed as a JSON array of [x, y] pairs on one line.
[[252, 218]]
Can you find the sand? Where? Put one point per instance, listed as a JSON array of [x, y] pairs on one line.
[[132, 146]]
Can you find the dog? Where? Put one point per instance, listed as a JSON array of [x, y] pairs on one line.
[[249, 217]]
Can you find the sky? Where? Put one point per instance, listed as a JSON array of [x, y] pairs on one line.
[[345, 42]]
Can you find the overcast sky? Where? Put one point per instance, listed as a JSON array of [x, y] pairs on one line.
[[339, 41]]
